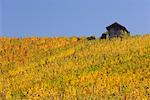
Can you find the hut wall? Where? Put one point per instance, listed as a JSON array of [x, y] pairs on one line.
[[114, 33], [111, 33]]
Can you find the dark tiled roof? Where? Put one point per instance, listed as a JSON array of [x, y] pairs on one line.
[[117, 25]]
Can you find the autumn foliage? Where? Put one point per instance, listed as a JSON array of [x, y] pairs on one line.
[[75, 69]]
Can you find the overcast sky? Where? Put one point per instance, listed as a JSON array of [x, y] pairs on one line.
[[72, 17]]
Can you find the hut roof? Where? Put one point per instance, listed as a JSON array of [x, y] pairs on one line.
[[117, 25]]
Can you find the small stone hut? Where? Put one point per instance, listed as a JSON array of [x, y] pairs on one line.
[[115, 30]]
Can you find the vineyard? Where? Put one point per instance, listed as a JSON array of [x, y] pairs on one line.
[[62, 68]]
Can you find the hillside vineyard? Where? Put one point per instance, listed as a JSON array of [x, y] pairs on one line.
[[75, 69]]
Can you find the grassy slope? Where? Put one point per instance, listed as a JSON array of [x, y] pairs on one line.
[[67, 68]]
